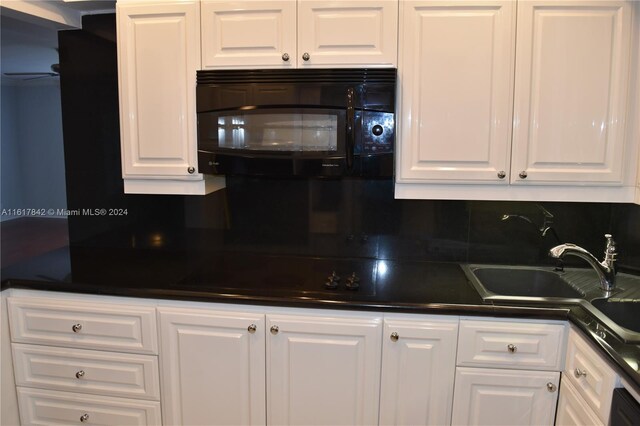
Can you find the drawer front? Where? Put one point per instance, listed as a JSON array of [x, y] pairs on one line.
[[77, 370], [517, 345], [43, 407], [572, 409], [105, 326], [591, 375]]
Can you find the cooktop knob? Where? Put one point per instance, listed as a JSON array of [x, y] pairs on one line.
[[331, 285], [332, 281], [353, 282]]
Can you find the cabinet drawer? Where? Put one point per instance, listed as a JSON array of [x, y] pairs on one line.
[[44, 407], [516, 345], [572, 409], [591, 375], [83, 324], [77, 370]]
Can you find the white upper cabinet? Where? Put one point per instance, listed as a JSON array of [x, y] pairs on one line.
[[303, 33], [158, 55], [158, 58], [572, 71], [251, 34], [456, 71], [518, 100], [347, 33]]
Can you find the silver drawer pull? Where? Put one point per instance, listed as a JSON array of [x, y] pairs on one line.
[[84, 418], [580, 373], [80, 374], [512, 348], [76, 328], [551, 387], [394, 337], [252, 328], [274, 329]]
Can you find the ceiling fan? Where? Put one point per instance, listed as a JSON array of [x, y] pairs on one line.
[[55, 72]]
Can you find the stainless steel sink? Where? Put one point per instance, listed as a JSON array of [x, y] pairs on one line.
[[625, 313], [521, 284], [619, 313]]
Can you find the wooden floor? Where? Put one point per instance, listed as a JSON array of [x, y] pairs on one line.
[[26, 237]]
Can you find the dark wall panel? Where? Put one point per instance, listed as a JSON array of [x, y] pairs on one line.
[[306, 217]]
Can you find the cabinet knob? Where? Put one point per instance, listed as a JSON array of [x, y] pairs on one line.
[[551, 387], [523, 174], [306, 56], [191, 170], [252, 328], [512, 348], [501, 174], [76, 328], [285, 57], [84, 418], [80, 374], [580, 373], [394, 337], [274, 329]]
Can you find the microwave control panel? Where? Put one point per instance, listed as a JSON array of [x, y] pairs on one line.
[[378, 133]]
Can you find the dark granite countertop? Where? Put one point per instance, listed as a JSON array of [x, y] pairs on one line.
[[251, 278]]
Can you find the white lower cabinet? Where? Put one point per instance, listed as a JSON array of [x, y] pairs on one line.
[[323, 369], [43, 407], [212, 367], [418, 366], [591, 381], [505, 397], [85, 359], [572, 409], [508, 371], [79, 370]]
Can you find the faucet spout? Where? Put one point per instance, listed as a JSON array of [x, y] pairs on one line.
[[605, 269]]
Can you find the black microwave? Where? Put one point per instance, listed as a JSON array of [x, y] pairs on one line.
[[305, 122]]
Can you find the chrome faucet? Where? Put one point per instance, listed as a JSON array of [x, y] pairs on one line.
[[606, 269]]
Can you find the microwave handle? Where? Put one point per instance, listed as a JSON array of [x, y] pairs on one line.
[[351, 118]]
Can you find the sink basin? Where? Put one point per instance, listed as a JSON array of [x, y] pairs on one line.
[[504, 282], [624, 313]]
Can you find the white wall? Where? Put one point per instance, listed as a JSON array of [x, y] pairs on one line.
[[32, 151]]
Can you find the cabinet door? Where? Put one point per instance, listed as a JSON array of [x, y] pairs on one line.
[[347, 33], [158, 55], [323, 370], [418, 368], [591, 376], [212, 367], [248, 34], [504, 397], [456, 71], [572, 409], [572, 69]]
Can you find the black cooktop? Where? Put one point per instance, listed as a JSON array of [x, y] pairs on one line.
[[296, 276]]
